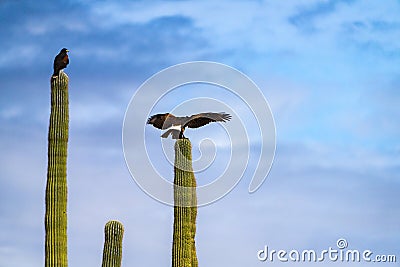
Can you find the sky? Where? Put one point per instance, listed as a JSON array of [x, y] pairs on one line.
[[329, 70]]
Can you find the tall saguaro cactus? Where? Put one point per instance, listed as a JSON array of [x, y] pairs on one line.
[[112, 252], [185, 207], [56, 187]]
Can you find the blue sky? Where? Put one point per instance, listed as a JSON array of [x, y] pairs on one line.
[[328, 68]]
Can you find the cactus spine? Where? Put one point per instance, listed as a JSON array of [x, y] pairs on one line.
[[112, 252], [56, 187], [185, 207]]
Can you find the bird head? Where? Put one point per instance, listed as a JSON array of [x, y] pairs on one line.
[[64, 50]]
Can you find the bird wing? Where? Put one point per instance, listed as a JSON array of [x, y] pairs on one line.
[[201, 119], [66, 60], [161, 121]]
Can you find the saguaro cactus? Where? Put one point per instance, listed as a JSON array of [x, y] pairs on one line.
[[185, 207], [56, 187], [112, 252]]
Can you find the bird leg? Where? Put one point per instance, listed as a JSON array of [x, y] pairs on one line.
[[181, 135]]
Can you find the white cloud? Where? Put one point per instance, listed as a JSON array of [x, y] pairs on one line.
[[88, 113], [18, 53], [11, 112]]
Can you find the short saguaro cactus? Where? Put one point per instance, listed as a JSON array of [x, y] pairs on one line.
[[112, 252]]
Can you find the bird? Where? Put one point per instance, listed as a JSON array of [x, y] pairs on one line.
[[175, 126], [60, 62]]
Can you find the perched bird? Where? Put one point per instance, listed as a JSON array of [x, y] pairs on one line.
[[60, 62], [175, 126]]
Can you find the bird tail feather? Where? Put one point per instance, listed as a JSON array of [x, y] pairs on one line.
[[173, 132]]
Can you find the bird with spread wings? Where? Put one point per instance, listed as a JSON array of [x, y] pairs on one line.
[[175, 126]]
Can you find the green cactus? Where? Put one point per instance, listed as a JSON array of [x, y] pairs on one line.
[[185, 207], [112, 252], [56, 187]]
